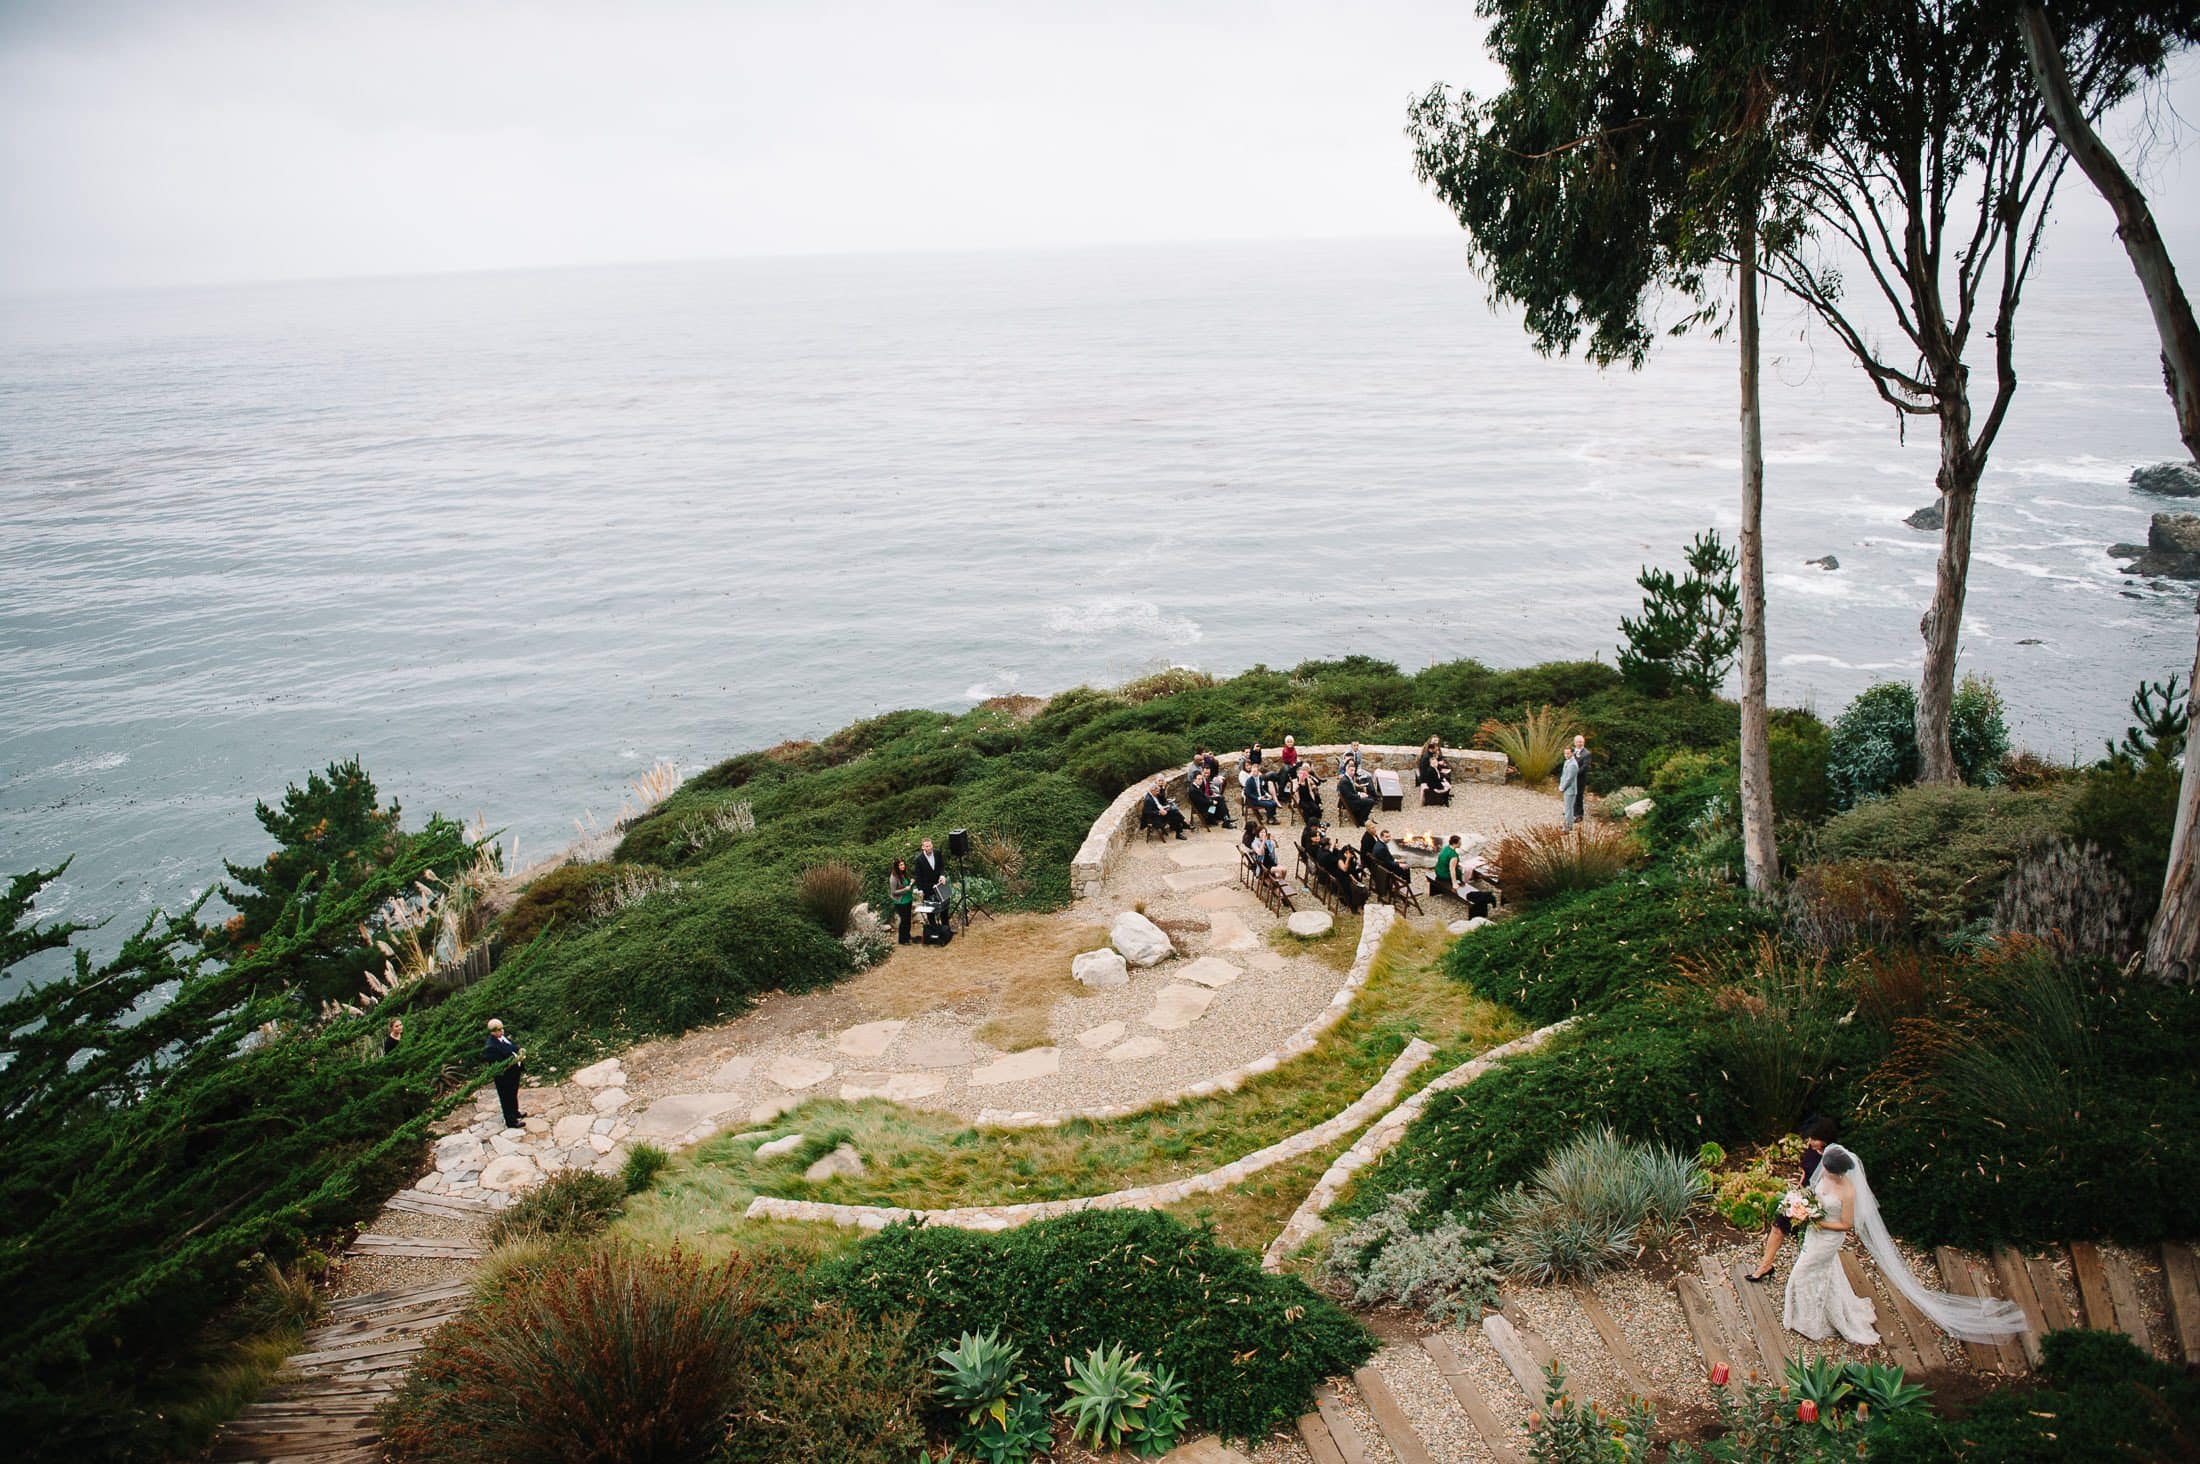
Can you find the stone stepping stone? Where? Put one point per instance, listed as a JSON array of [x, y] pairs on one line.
[[939, 1050], [1228, 898], [1228, 933], [733, 1072], [1177, 1007], [672, 1116], [1211, 971], [609, 1099], [610, 1073], [1307, 924], [1195, 879], [1137, 1048], [796, 1073], [458, 1152], [1038, 1062], [1269, 961], [572, 1129], [894, 1087], [773, 1148], [869, 1039], [510, 1173], [1101, 1036], [1205, 854]]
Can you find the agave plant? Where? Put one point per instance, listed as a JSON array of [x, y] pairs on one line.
[[1107, 1398], [1820, 1380], [1167, 1412], [1883, 1389], [977, 1375]]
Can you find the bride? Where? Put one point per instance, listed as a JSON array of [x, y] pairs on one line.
[[1819, 1301]]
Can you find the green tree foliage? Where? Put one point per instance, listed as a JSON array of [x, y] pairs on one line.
[[1874, 746], [2161, 713], [1690, 626]]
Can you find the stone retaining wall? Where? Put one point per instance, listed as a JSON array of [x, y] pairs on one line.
[[1088, 872], [1306, 1221], [1375, 924], [1142, 1197]]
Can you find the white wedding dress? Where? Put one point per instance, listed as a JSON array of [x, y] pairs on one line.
[[1819, 1301]]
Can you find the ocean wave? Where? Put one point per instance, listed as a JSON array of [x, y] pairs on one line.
[[1812, 658], [1116, 616]]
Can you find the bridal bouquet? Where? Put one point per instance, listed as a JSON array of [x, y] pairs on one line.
[[1802, 1209]]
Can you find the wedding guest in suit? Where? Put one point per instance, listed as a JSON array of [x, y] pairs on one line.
[[1356, 794], [1573, 782], [1159, 810], [902, 890], [929, 869], [1258, 797], [1350, 762], [1207, 799], [1380, 855], [500, 1048]]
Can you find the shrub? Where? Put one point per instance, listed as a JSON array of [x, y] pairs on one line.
[[2129, 811], [2102, 1398], [282, 1299], [2071, 898], [644, 1162], [1447, 1270], [829, 1390], [1950, 846], [1801, 747], [1253, 1344], [569, 1206], [621, 1355], [1978, 734], [1685, 638], [1779, 1021], [1567, 1432], [1538, 862], [829, 894], [1832, 906], [1873, 747], [1105, 1400], [560, 897], [1535, 745], [1115, 762], [980, 1380], [1747, 1195], [1588, 1204], [1164, 683], [867, 939]]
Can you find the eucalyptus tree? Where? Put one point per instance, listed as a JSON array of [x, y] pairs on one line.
[[1637, 149], [2146, 34]]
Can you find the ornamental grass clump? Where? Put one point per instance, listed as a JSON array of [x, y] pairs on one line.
[[829, 893], [1548, 860], [1536, 744], [1594, 1203], [569, 1206]]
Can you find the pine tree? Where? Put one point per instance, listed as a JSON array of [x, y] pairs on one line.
[[1690, 626]]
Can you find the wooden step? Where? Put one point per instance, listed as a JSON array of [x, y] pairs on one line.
[[441, 1207], [2097, 1309], [405, 1245], [1704, 1326], [1522, 1357], [1396, 1428], [1727, 1307], [2181, 1278], [1965, 1278], [1315, 1435], [1894, 1327], [1343, 1437], [1495, 1436], [1634, 1378], [1764, 1323], [2047, 1286], [1207, 1450], [2016, 1284], [373, 1303]]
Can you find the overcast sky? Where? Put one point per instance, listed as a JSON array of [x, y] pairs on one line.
[[174, 141]]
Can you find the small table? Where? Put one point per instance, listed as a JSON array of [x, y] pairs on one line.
[[1392, 790]]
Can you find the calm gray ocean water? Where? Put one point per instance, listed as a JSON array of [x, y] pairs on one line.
[[514, 537]]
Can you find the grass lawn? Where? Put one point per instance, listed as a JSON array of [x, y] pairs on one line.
[[935, 1161]]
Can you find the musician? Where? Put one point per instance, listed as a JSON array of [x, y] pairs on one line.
[[929, 870]]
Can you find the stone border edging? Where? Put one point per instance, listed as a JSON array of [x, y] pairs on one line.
[[1141, 1197], [1088, 868], [1375, 924], [1306, 1221]]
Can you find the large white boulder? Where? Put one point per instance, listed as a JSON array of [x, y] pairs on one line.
[[844, 1160], [1307, 924], [511, 1173], [1142, 942], [1100, 969]]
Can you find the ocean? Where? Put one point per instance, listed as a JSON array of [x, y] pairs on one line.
[[512, 538]]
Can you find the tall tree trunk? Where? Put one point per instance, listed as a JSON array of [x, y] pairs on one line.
[[1942, 626], [1760, 859], [2173, 946]]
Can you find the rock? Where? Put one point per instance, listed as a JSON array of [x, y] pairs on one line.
[[1307, 924], [871, 1039], [1457, 927], [1478, 922], [895, 1087], [609, 1099], [1229, 897], [1137, 1048], [602, 1125], [1142, 942], [733, 1072], [1932, 516], [1269, 961], [844, 1160], [600, 1143], [773, 1148], [1095, 1038], [610, 1073], [1226, 932], [941, 1051], [459, 1151], [430, 1184], [2174, 533], [1211, 971], [504, 1144], [797, 1073], [1640, 808], [1037, 1062], [772, 1110], [574, 1128], [1826, 561], [1177, 1007], [673, 1115], [2170, 480], [1100, 969], [2031, 641], [2172, 549], [511, 1173], [1206, 854]]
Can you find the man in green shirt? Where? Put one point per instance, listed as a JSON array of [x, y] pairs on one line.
[[1447, 866]]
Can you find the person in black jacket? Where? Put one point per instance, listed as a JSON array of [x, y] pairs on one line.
[[1308, 793], [502, 1049], [1356, 795], [1160, 811], [928, 870]]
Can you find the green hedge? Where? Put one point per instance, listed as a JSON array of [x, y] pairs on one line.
[[1952, 845], [1250, 1346], [2100, 1399]]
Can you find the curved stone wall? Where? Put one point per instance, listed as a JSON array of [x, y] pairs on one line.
[[1088, 872]]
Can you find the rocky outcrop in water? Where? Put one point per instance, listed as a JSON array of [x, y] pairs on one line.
[[2168, 480], [2172, 549], [1824, 562], [1928, 517]]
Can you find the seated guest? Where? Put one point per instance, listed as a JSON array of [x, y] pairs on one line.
[[1207, 800], [1289, 757], [1448, 876], [1432, 772], [1160, 811], [1349, 877], [1309, 796], [1258, 796], [1380, 855], [1356, 794], [1350, 762], [1250, 839]]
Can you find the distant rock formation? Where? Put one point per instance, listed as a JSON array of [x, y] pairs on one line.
[[2168, 480], [1826, 561], [1928, 517], [2172, 549]]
